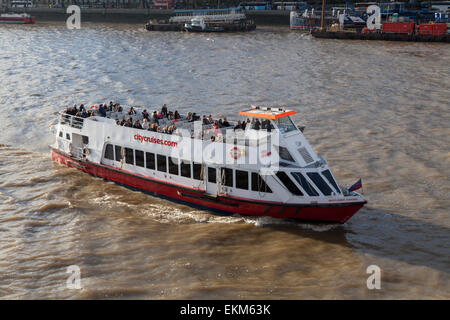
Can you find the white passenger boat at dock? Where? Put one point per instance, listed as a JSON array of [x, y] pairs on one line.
[[263, 168]]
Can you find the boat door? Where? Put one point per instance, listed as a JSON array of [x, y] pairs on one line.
[[211, 173]]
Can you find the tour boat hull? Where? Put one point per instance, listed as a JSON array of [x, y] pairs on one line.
[[223, 204], [17, 20]]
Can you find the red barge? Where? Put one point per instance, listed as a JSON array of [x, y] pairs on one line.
[[263, 166]]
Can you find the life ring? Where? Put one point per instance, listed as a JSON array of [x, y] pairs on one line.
[[93, 107], [235, 153]]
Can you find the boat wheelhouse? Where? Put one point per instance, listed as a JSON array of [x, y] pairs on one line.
[[262, 166]]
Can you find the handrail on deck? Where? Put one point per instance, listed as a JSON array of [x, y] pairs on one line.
[[73, 121]]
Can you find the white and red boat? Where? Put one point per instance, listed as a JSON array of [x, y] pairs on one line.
[[267, 168], [22, 18]]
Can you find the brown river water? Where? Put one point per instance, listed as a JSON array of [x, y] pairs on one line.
[[376, 110]]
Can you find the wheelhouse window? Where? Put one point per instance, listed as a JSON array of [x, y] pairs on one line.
[[284, 153], [197, 169], [241, 179], [173, 165], [61, 134], [227, 177], [109, 152], [319, 182], [303, 182], [139, 157], [129, 157], [185, 167], [67, 136], [161, 163], [258, 183], [329, 177], [212, 175], [150, 160], [285, 124], [288, 183]]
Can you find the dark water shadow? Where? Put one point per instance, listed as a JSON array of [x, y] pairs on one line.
[[386, 235]]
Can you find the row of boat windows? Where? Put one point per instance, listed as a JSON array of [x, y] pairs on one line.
[[186, 169], [306, 185]]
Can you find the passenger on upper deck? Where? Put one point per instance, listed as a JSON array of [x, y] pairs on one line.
[[145, 115], [164, 110], [102, 111], [152, 127], [238, 125], [256, 124], [267, 125], [137, 124], [195, 117], [225, 123], [144, 124], [155, 117], [177, 115], [131, 111], [205, 121], [128, 123]]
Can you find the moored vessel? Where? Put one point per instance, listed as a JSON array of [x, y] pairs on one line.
[[207, 20], [262, 165], [17, 18]]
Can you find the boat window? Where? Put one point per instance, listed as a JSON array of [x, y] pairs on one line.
[[284, 153], [329, 177], [211, 175], [60, 134], [67, 136], [197, 169], [129, 157], [305, 184], [85, 139], [109, 153], [150, 160], [118, 152], [241, 179], [317, 179], [161, 162], [139, 155], [288, 183], [285, 124], [173, 165], [227, 177], [185, 169], [258, 183]]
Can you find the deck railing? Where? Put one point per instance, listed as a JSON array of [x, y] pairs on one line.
[[73, 121]]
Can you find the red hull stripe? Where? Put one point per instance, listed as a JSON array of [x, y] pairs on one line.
[[193, 197]]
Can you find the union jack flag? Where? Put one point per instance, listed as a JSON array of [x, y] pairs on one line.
[[356, 186]]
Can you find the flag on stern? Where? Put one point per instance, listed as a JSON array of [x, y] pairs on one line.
[[356, 186]]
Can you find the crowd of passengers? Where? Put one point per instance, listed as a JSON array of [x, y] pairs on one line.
[[150, 122]]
